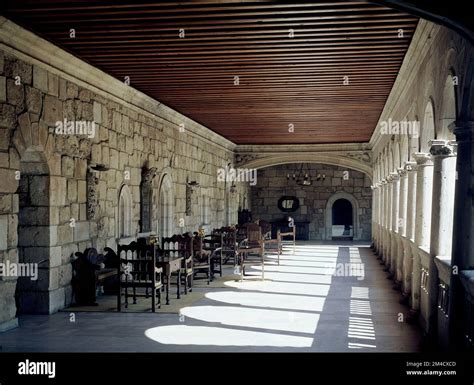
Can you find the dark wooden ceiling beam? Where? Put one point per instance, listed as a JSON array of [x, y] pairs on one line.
[[282, 80]]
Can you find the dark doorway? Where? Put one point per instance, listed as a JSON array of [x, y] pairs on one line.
[[342, 220]]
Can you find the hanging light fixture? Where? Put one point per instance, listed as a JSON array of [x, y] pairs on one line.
[[303, 176]]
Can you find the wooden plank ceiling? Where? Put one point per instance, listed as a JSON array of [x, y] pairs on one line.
[[282, 80]]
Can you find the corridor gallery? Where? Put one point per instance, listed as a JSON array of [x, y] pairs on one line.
[[235, 177]]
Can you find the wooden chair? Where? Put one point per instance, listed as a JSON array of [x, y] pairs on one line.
[[181, 246], [251, 250], [201, 258], [229, 244], [291, 233], [213, 244], [137, 270], [270, 244]]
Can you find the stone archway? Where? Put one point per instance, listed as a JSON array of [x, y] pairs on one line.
[[355, 160], [329, 214]]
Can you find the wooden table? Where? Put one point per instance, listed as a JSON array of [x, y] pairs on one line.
[[170, 265]]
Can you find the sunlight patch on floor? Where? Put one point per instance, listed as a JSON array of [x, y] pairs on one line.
[[267, 300], [219, 336], [281, 320], [280, 287]]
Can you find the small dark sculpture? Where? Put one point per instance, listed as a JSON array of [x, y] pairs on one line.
[[84, 276]]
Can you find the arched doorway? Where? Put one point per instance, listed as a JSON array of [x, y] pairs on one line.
[[342, 220]]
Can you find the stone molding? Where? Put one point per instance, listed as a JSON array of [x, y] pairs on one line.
[[345, 155]]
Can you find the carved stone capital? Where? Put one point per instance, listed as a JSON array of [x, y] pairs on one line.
[[394, 176], [402, 172], [423, 159], [410, 166], [442, 148], [148, 174]]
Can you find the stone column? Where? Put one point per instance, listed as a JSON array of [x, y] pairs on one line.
[[444, 179], [374, 216], [388, 215], [402, 222], [424, 185], [411, 170], [378, 190], [463, 229], [394, 255], [383, 218]]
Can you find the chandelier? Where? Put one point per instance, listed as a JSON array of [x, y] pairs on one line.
[[303, 177]]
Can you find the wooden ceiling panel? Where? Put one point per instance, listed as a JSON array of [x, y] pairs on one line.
[[247, 70]]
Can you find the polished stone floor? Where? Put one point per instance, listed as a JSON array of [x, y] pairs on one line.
[[331, 297]]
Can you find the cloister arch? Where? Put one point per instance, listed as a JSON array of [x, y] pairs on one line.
[[448, 111], [354, 162], [414, 140], [428, 131]]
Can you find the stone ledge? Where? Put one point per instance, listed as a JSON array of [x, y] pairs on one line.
[[443, 264], [8, 325]]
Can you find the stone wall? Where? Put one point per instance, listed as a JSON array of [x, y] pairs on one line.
[[44, 175], [272, 183]]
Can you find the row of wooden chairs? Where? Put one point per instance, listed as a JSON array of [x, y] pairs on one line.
[[200, 255]]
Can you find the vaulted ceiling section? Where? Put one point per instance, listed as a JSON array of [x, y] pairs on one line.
[[256, 72]]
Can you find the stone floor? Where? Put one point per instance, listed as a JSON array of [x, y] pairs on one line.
[[322, 298]]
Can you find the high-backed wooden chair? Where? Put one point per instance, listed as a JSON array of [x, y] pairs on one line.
[[212, 243], [270, 244], [137, 271], [229, 244], [201, 258], [251, 250], [181, 246]]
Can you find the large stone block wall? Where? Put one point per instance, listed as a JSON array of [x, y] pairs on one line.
[[49, 171], [272, 184]]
